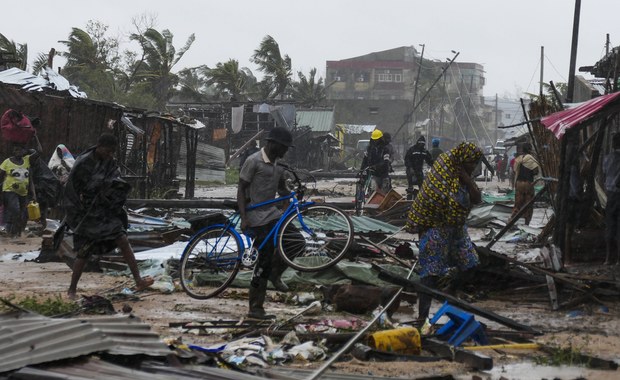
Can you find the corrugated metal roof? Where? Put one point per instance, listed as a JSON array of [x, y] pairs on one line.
[[317, 120], [356, 129], [95, 368], [29, 82], [27, 339], [366, 224]]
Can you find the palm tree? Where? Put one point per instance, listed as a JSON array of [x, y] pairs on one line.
[[230, 80], [160, 56], [13, 54], [307, 92], [90, 62], [277, 69]]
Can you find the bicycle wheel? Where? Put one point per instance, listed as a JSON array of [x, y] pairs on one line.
[[319, 242], [210, 262]]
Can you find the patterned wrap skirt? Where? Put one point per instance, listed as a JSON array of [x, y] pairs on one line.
[[444, 248]]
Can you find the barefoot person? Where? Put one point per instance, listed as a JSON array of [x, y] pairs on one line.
[[93, 200]]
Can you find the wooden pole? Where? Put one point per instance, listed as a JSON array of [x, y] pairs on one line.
[[573, 53]]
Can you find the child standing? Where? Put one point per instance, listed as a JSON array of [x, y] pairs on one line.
[[15, 177]]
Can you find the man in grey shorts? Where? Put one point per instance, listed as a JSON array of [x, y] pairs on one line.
[[259, 181]]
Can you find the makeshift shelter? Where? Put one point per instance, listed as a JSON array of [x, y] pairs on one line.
[[150, 145], [582, 131]]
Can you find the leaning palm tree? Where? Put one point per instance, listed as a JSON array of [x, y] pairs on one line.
[[160, 56], [275, 67], [230, 80], [308, 91], [89, 64], [40, 63], [13, 54]]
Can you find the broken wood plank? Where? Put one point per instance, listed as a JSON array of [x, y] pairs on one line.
[[574, 284], [365, 353], [473, 359], [417, 286], [204, 203], [385, 252]]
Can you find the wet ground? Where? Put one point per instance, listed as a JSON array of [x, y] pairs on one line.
[[592, 329]]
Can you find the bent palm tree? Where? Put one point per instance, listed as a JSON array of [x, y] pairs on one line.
[[229, 79], [277, 69], [13, 54], [160, 56], [307, 92]]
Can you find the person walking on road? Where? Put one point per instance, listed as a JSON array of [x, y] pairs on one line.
[[438, 214], [526, 170], [260, 179], [94, 198], [415, 158], [435, 150]]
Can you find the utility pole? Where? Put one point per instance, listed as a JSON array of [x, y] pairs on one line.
[[542, 69], [417, 83], [573, 53], [496, 118], [607, 81]]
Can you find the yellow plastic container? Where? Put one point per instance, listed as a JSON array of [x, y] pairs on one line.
[[405, 340], [34, 213]]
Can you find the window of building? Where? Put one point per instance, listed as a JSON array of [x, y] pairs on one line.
[[507, 116], [385, 75]]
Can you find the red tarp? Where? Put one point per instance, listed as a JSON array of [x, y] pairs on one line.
[[559, 122]]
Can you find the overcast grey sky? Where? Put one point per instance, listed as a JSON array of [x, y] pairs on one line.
[[505, 36]]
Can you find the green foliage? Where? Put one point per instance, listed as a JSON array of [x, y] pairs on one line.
[[230, 80], [232, 176], [557, 356], [275, 67], [15, 51], [50, 306], [309, 91], [160, 56]]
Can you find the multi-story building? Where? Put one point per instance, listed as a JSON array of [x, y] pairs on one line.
[[379, 89]]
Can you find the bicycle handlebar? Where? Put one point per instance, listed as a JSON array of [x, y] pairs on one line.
[[300, 188]]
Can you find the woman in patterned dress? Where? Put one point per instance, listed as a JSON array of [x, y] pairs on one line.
[[438, 214]]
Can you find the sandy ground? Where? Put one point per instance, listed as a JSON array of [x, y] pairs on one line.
[[592, 330]]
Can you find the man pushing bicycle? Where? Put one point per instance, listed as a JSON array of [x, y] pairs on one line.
[[260, 179]]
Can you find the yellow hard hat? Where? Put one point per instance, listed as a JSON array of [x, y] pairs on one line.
[[376, 134]]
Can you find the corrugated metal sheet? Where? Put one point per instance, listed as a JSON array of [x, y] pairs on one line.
[[27, 339], [356, 129], [101, 370], [210, 162], [317, 120], [29, 82], [365, 224], [559, 122]]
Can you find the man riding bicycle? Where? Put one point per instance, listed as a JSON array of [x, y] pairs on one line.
[[259, 180], [378, 158]]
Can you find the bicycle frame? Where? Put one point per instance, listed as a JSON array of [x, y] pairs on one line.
[[293, 207]]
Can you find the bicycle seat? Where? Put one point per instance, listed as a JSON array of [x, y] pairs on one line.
[[228, 203], [205, 220]]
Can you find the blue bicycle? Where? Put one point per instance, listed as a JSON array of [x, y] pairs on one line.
[[308, 236]]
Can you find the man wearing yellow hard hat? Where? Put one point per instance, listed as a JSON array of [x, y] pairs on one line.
[[378, 158]]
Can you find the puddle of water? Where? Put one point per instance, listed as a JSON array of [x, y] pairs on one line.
[[531, 371]]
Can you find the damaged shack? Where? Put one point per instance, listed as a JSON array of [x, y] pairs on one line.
[[156, 153]]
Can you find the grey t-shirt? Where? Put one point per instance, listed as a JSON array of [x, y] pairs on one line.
[[264, 178]]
